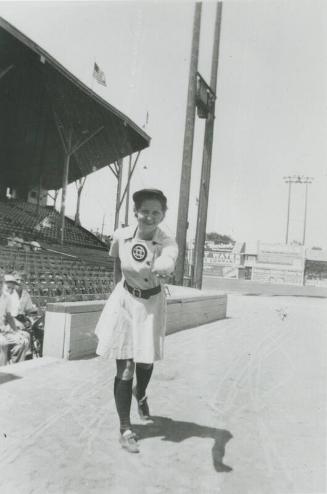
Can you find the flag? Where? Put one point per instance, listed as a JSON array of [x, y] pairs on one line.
[[98, 75], [146, 120]]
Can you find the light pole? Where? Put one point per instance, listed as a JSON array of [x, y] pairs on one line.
[[297, 179], [308, 180], [288, 180]]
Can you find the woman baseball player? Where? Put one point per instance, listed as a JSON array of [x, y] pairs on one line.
[[132, 326]]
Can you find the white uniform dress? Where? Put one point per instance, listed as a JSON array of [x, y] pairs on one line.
[[131, 327]]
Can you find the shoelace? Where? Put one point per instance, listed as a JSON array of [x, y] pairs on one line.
[[130, 435]]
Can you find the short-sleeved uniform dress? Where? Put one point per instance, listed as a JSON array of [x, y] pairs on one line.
[[131, 327]]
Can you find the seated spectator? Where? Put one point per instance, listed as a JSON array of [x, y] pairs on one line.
[[15, 241], [35, 246], [14, 342], [11, 241], [21, 302]]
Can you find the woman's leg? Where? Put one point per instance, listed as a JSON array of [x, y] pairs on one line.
[[123, 392], [143, 376]]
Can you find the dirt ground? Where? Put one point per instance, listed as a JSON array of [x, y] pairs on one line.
[[239, 407]]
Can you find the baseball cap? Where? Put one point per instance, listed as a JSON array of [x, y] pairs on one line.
[[9, 278], [142, 194]]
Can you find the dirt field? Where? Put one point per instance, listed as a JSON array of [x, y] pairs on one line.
[[239, 407]]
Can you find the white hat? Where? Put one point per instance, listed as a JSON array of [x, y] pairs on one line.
[[9, 277]]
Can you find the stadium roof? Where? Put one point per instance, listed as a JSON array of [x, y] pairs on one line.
[[38, 96]]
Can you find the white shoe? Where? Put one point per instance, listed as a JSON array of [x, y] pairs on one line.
[[128, 441]]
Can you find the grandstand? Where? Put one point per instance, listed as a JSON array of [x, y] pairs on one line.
[[54, 130], [52, 277], [42, 223], [79, 270]]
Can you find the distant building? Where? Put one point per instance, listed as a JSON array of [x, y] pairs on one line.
[[222, 259], [315, 271], [264, 262], [279, 263]]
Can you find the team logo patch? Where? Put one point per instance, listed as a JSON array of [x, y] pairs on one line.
[[139, 252]]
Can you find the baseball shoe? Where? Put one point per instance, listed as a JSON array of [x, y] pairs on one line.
[[128, 441]]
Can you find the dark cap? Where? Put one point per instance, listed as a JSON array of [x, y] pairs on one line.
[[141, 195]]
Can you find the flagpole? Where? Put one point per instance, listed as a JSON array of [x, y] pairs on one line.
[[92, 75]]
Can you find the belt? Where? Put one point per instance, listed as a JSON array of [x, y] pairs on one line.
[[137, 292]]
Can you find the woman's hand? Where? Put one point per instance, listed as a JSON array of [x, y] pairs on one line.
[[163, 266]]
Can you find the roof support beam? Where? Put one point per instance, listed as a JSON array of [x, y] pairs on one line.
[[69, 150], [65, 173], [114, 170], [120, 176], [64, 188], [6, 70], [119, 198], [127, 186], [80, 144], [129, 179]]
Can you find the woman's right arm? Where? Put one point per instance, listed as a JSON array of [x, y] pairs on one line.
[[114, 253]]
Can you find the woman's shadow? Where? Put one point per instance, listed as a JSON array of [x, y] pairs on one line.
[[177, 431]]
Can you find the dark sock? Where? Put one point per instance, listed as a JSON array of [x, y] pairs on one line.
[[123, 398], [143, 376]]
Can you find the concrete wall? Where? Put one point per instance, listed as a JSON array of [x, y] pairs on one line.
[[248, 287], [69, 326]]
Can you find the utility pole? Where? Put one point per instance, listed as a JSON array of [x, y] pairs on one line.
[[184, 193], [206, 158]]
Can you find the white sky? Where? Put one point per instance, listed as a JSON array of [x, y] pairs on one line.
[[271, 117]]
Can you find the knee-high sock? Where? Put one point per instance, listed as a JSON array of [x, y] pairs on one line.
[[123, 398], [143, 376]]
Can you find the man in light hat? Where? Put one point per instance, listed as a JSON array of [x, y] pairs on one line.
[[21, 302], [14, 343]]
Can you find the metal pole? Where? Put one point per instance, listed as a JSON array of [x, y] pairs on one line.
[[64, 188], [305, 212], [104, 215], [63, 198], [39, 196], [288, 209], [184, 193], [206, 161], [128, 188], [120, 174], [129, 179]]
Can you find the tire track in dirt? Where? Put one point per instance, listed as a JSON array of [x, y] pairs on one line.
[[72, 405]]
